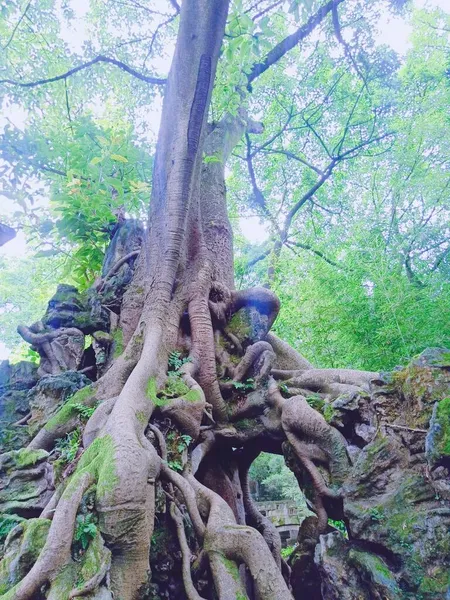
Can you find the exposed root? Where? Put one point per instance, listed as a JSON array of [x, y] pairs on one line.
[[90, 585], [287, 357], [203, 352], [100, 284], [226, 540], [253, 516], [160, 439], [97, 421], [252, 354], [56, 551], [189, 498], [328, 380], [189, 588]]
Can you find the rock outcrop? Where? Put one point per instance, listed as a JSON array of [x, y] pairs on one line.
[[396, 496]]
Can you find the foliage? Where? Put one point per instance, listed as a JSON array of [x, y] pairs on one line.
[[362, 268], [7, 524], [176, 361], [85, 412], [39, 277], [286, 552], [275, 481], [85, 529], [68, 446]]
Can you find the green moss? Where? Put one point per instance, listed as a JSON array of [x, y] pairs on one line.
[[231, 567], [84, 397], [438, 583], [98, 460], [240, 325], [152, 393], [92, 559], [141, 416], [28, 458], [175, 387], [376, 570], [118, 342], [7, 524], [244, 425], [13, 569], [443, 416], [328, 412]]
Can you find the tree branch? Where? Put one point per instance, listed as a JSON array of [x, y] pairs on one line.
[[22, 16], [314, 251], [175, 4], [258, 195], [309, 194], [348, 53], [294, 157], [86, 65], [291, 40]]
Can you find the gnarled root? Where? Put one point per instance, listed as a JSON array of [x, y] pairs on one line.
[[226, 542], [56, 551], [90, 585], [189, 588], [327, 381], [253, 517]]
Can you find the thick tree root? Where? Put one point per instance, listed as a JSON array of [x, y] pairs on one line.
[[225, 541]]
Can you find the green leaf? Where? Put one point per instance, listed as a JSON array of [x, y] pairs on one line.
[[119, 158]]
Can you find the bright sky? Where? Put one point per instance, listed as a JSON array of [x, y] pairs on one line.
[[393, 31]]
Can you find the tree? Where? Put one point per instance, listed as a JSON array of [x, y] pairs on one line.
[[193, 344]]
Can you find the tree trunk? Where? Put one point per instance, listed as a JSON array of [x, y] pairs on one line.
[[182, 299]]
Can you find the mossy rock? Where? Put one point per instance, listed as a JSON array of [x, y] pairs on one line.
[[437, 445], [23, 549]]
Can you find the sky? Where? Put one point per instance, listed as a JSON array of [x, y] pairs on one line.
[[393, 31]]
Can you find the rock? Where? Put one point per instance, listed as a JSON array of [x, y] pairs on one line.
[[127, 239], [396, 495], [50, 394], [349, 573], [26, 482], [67, 349], [22, 548], [15, 382], [69, 308], [437, 443], [17, 376]]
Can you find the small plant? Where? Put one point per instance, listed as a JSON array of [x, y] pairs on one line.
[[244, 386], [85, 529], [85, 412], [176, 361], [286, 552], [315, 401], [183, 442], [284, 388], [69, 446], [375, 515], [340, 526], [7, 524], [175, 465]]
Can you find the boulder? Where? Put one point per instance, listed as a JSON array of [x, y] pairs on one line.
[[50, 394], [26, 482]]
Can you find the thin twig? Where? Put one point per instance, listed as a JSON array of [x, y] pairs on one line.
[[404, 428]]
